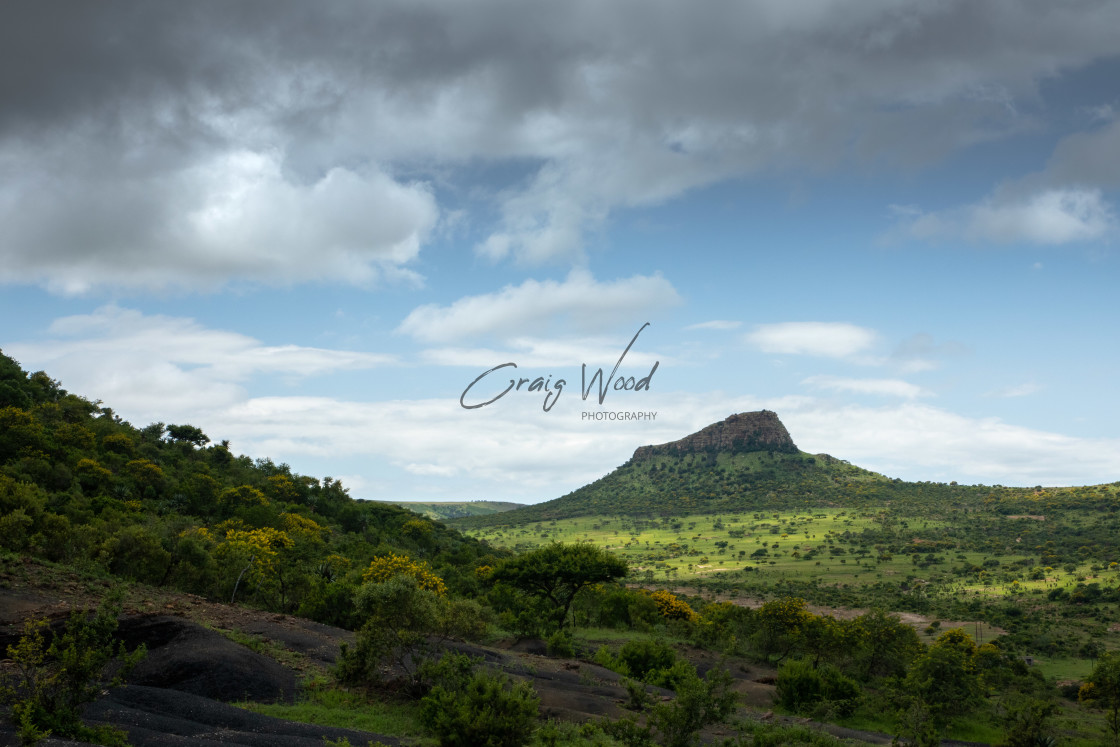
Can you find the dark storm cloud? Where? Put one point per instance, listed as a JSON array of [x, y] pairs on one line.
[[101, 65], [216, 140]]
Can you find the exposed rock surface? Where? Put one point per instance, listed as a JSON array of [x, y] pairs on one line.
[[156, 717], [187, 657], [743, 432]]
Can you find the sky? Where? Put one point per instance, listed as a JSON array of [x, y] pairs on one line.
[[332, 234]]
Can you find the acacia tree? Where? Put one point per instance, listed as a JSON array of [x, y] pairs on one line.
[[552, 575], [188, 434]]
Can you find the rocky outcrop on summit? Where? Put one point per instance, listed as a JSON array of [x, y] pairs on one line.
[[745, 431]]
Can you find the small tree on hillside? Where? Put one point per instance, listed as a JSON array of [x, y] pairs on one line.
[[405, 625], [941, 685], [552, 575]]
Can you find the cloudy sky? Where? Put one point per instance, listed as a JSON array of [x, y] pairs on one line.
[[307, 228]]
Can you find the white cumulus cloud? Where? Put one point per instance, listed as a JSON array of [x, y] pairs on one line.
[[164, 368], [827, 339], [1050, 217], [920, 442], [580, 300], [232, 216]]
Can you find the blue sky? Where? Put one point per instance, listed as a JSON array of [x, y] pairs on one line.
[[307, 231]]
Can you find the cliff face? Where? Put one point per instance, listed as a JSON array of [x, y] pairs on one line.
[[746, 431]]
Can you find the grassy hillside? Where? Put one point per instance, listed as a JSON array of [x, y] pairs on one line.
[[444, 510], [718, 482]]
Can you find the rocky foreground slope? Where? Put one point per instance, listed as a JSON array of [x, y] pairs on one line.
[[181, 694]]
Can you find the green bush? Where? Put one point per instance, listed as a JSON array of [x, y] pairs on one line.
[[331, 603], [135, 552], [53, 680], [1026, 721], [618, 607], [699, 702], [653, 662], [477, 709], [671, 677], [801, 686], [560, 644], [451, 671], [626, 731], [639, 697], [1102, 689], [724, 626], [404, 626], [643, 656]]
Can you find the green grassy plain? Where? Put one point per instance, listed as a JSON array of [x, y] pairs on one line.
[[981, 570], [822, 545]]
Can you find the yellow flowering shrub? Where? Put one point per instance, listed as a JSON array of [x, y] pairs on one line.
[[672, 607], [91, 474], [336, 562], [416, 528], [384, 568], [200, 533], [144, 473], [281, 488], [243, 495], [264, 545], [303, 528]]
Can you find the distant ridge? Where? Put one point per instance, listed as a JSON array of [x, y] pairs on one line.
[[738, 434], [446, 510]]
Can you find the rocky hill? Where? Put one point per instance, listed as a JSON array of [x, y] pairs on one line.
[[748, 460], [738, 434]]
